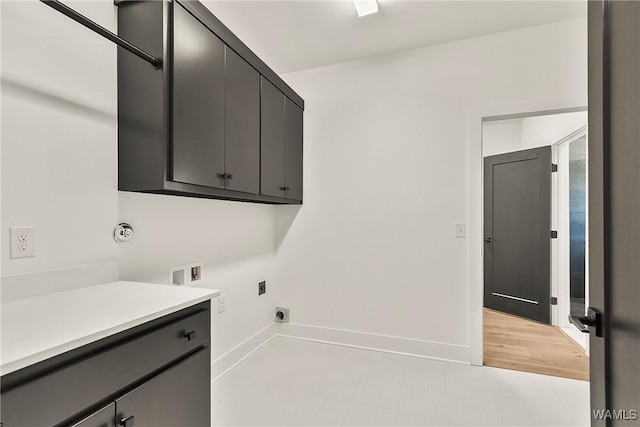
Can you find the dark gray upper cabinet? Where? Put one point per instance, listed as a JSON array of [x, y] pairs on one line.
[[272, 169], [293, 150], [199, 126], [242, 125], [281, 158], [198, 102]]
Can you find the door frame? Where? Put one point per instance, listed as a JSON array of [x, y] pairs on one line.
[[477, 116], [561, 215]]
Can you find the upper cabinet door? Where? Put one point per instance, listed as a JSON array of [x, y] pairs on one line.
[[293, 150], [198, 102], [242, 125], [272, 181]]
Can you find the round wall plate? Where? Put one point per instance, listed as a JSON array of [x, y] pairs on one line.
[[123, 232]]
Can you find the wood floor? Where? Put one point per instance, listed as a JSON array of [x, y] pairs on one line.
[[512, 342]]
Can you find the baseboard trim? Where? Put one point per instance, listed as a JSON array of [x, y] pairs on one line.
[[362, 340], [233, 357], [376, 342]]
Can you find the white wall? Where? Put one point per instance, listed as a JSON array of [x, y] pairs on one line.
[[548, 130], [504, 136], [501, 137], [386, 178], [235, 241], [59, 174], [59, 118], [371, 250]]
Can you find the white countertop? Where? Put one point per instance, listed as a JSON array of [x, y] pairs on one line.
[[35, 329]]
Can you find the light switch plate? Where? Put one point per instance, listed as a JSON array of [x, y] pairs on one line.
[[222, 303], [461, 230]]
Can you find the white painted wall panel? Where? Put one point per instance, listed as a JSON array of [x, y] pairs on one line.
[[386, 177]]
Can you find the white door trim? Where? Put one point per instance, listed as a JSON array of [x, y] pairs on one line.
[[475, 196]]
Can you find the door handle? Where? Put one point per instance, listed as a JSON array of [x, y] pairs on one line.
[[592, 319], [489, 239]]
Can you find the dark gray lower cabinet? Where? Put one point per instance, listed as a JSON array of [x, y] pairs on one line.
[[105, 417], [173, 398], [156, 374]]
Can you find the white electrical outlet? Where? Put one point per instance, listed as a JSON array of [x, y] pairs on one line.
[[222, 303], [461, 230], [23, 242]]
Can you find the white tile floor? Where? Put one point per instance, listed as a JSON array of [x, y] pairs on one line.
[[297, 383]]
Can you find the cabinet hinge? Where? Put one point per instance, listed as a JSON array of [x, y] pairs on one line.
[[554, 167], [554, 234], [554, 300]]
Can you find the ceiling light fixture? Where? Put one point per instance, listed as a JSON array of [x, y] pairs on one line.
[[365, 7]]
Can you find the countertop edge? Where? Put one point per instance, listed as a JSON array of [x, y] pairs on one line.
[[15, 365]]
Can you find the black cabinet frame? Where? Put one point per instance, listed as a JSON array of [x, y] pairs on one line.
[[145, 133]]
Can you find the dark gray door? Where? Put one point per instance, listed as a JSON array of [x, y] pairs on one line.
[[614, 210], [272, 180], [179, 396], [517, 233], [198, 102], [242, 125], [293, 150], [105, 417]]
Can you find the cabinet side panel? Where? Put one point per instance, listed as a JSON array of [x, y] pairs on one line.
[[293, 150], [271, 140], [242, 125], [141, 138], [198, 102]]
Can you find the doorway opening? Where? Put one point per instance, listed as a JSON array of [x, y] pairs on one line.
[[535, 204]]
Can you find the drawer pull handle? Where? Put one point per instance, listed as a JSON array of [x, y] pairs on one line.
[[127, 422], [190, 335]]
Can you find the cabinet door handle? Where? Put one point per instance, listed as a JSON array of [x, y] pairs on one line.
[[127, 422], [283, 188], [190, 335], [222, 175], [229, 176]]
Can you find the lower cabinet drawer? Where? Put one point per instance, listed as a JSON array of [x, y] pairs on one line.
[[179, 396], [105, 417], [60, 394]]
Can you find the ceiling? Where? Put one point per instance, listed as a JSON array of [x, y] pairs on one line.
[[296, 35]]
